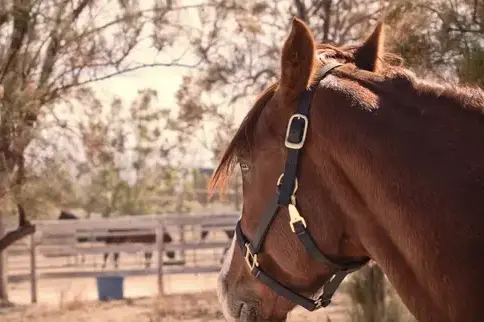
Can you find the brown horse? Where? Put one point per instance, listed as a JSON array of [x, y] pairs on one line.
[[391, 168], [144, 238]]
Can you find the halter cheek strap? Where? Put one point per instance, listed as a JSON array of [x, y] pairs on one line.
[[286, 197]]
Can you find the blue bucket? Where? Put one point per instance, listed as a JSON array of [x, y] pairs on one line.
[[110, 287]]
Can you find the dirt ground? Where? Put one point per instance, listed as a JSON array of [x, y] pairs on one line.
[[55, 291], [189, 298], [195, 307]]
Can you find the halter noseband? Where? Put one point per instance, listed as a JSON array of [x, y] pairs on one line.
[[287, 186]]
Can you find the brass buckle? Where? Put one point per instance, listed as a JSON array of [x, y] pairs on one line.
[[294, 216], [318, 303], [250, 259], [296, 185], [299, 144]]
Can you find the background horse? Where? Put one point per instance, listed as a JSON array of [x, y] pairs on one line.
[[146, 238], [391, 168]]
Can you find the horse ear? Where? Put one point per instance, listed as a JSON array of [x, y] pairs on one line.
[[297, 60], [368, 55]]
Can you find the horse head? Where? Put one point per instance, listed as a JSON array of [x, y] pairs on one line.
[[349, 157]]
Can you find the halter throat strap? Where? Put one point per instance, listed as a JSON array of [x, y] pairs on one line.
[[286, 197]]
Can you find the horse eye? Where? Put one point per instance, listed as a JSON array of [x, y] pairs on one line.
[[244, 167]]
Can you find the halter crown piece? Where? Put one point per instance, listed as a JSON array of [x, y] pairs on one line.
[[287, 186]]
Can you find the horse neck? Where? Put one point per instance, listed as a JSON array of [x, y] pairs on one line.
[[418, 200]]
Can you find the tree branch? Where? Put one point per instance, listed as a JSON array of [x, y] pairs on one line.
[[327, 20], [474, 14], [15, 235], [301, 10], [124, 71], [21, 12], [465, 30], [24, 229]]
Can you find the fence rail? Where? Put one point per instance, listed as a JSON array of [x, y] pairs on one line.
[[170, 270], [134, 248], [55, 238]]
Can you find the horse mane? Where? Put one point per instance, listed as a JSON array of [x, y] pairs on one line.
[[390, 79], [395, 74]]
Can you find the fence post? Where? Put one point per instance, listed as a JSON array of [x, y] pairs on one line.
[[182, 241], [3, 262], [33, 270], [160, 247], [179, 210]]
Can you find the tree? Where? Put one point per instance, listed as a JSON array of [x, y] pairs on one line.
[[55, 47], [51, 48], [440, 37], [129, 153]]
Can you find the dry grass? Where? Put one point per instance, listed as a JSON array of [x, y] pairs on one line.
[[372, 297]]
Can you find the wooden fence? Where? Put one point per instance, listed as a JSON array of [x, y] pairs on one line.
[[61, 238]]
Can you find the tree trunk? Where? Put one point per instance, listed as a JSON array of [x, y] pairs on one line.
[[3, 265]]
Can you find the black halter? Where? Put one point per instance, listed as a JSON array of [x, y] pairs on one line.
[[287, 186]]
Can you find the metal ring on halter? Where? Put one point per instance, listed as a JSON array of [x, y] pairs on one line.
[[279, 181]]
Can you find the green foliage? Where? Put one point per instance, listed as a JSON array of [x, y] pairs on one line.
[[127, 150], [46, 188]]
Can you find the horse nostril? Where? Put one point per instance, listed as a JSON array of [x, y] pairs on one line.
[[247, 312]]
